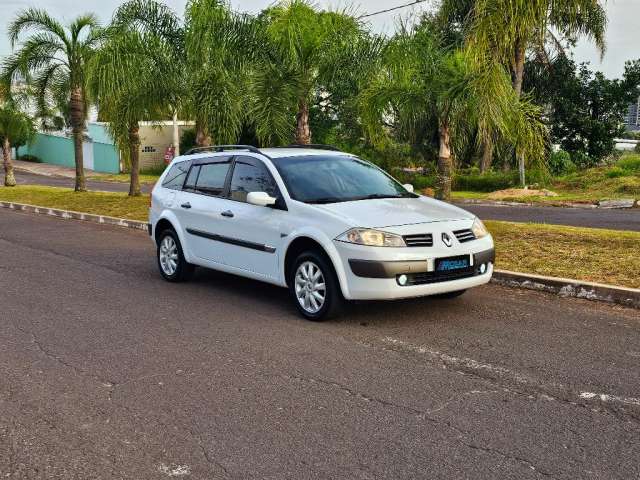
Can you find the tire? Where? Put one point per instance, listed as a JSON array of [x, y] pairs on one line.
[[169, 248], [299, 287], [455, 294]]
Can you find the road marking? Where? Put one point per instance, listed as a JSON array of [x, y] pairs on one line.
[[474, 365], [605, 397], [175, 470]]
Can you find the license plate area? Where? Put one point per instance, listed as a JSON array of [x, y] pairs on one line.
[[453, 264]]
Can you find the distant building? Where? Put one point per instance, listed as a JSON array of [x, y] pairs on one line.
[[632, 122]]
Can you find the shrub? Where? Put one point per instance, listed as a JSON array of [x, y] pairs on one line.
[[616, 172], [560, 163], [583, 161], [30, 158], [156, 170], [489, 182], [187, 140], [637, 148], [630, 163]]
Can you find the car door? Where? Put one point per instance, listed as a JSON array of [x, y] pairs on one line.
[[253, 233], [200, 206]]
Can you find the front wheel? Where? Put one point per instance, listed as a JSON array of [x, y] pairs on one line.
[[171, 262], [314, 287]]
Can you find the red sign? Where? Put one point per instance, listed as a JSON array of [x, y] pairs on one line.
[[169, 153]]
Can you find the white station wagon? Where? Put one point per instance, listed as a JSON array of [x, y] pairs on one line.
[[327, 225]]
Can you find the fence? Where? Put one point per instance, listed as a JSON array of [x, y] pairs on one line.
[[59, 150]]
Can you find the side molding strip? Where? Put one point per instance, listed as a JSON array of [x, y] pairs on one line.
[[232, 241]]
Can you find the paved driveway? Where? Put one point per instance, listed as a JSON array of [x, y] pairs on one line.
[[106, 371]]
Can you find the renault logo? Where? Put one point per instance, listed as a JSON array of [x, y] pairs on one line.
[[446, 239]]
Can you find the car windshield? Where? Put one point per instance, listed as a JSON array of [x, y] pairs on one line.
[[333, 178]]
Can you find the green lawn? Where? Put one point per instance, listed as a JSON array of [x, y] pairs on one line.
[[605, 256], [100, 203], [123, 177]]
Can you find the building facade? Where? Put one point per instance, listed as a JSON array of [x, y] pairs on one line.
[[632, 121]]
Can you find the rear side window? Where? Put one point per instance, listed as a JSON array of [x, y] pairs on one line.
[[176, 176], [192, 178], [249, 177], [212, 178]]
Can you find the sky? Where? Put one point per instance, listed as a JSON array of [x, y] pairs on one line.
[[623, 34]]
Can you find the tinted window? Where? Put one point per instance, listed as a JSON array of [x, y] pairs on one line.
[[192, 178], [250, 178], [330, 179], [176, 176], [212, 178]]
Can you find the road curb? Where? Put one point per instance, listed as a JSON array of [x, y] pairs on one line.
[[68, 214], [568, 287], [564, 287]]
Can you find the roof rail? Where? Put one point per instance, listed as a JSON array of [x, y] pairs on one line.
[[315, 146], [224, 148]]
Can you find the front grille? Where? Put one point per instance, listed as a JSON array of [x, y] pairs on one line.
[[464, 236], [420, 240]]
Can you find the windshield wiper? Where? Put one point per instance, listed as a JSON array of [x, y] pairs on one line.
[[375, 196], [325, 200]]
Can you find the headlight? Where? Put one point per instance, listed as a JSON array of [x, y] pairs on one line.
[[478, 228], [372, 238]]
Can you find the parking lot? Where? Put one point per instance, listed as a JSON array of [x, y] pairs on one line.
[[107, 371]]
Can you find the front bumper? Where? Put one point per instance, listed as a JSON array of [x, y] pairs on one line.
[[372, 273]]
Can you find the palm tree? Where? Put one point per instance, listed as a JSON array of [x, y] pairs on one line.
[[134, 78], [422, 85], [55, 58], [15, 127], [508, 29], [300, 50], [218, 47]]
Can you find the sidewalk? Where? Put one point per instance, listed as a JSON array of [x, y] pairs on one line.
[[48, 170]]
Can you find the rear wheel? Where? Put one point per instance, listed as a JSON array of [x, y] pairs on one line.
[[171, 262], [314, 287]]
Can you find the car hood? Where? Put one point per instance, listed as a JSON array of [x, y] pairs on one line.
[[393, 212]]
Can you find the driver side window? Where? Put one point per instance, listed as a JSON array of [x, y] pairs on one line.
[[249, 176]]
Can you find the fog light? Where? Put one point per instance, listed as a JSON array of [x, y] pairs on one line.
[[402, 280], [483, 268]]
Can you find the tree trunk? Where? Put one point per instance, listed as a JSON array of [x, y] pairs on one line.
[[443, 180], [203, 139], [134, 152], [176, 136], [9, 177], [303, 132], [518, 78], [77, 127], [487, 156]]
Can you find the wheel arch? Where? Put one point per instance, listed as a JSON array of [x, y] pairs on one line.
[[306, 242]]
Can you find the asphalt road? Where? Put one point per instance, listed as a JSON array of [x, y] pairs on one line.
[[613, 219], [628, 219], [107, 371]]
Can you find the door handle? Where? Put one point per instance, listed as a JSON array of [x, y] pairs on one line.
[[228, 214], [186, 205]]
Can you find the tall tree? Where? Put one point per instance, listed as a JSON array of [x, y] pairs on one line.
[[55, 58], [301, 48], [219, 44], [15, 127], [509, 29], [455, 92], [134, 76]]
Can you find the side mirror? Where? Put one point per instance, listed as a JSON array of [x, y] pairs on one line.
[[262, 199], [408, 187]]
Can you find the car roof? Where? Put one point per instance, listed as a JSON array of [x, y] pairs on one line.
[[269, 152]]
